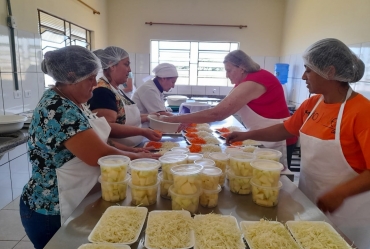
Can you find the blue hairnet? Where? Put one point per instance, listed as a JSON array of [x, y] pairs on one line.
[[110, 56]]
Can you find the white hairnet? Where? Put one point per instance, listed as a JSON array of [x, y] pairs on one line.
[[332, 52], [240, 59], [70, 64], [165, 70], [110, 56]]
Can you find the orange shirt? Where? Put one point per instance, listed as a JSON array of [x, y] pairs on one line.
[[354, 132]]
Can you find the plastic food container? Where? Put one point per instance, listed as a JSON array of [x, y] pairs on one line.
[[171, 153], [170, 161], [222, 179], [114, 191], [205, 162], [239, 184], [186, 202], [209, 198], [240, 163], [186, 179], [210, 177], [266, 172], [144, 171], [180, 149], [192, 157], [231, 150], [164, 185], [221, 160], [249, 148], [143, 195], [268, 154], [113, 168], [265, 196]]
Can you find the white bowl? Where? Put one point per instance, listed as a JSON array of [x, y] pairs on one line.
[[159, 125], [176, 100], [11, 123]]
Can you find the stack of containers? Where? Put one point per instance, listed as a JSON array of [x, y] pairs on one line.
[[210, 177], [166, 177], [114, 177], [240, 172], [186, 187], [268, 154], [144, 181], [192, 157], [221, 161], [265, 182], [180, 149]]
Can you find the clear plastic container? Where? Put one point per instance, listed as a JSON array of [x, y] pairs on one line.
[[265, 196], [164, 185], [209, 198], [180, 149], [171, 153], [114, 191], [143, 195], [113, 168], [249, 148], [239, 184], [192, 157], [268, 154], [240, 163], [170, 161], [210, 177], [144, 171], [221, 160], [266, 172], [233, 150], [222, 179], [186, 179], [186, 202], [205, 162]]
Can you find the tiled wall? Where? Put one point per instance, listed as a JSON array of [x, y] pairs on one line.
[[30, 76]]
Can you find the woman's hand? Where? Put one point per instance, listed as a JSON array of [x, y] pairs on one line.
[[147, 155], [330, 201], [235, 136], [152, 135], [182, 126]]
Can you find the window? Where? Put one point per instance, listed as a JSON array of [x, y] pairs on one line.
[[198, 63], [58, 33]]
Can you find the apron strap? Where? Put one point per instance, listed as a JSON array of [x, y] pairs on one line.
[[340, 115]]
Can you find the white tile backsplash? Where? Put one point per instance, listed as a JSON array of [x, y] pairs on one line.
[[133, 62], [12, 105], [212, 90], [198, 90], [259, 60], [30, 91], [363, 88], [224, 90], [41, 84], [303, 91], [171, 91], [183, 90], [5, 58], [27, 51], [270, 63], [139, 79], [365, 57], [38, 49], [142, 63]]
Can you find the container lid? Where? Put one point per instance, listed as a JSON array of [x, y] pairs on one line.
[[113, 161], [213, 191], [219, 155], [174, 153], [145, 164], [231, 174], [211, 171], [266, 187], [195, 156], [243, 156], [267, 152], [172, 192], [143, 187], [267, 165], [186, 169], [173, 158], [124, 181], [185, 150], [232, 150], [205, 162]]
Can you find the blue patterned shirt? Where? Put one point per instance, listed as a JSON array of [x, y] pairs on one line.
[[54, 121]]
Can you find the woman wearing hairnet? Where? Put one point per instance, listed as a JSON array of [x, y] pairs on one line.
[[110, 102], [258, 98], [334, 133], [149, 96], [65, 142]]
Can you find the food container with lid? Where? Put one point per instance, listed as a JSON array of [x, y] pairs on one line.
[[249, 148], [265, 196], [240, 163], [143, 195], [170, 161], [239, 184], [113, 168], [221, 160], [209, 198], [192, 157], [210, 177], [144, 171], [186, 178], [205, 162], [186, 202], [170, 153], [180, 149], [233, 150], [114, 191], [266, 172], [164, 185], [268, 154]]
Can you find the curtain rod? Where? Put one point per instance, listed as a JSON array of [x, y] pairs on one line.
[[186, 24], [94, 10]]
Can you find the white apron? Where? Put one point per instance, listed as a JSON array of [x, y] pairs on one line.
[[254, 121], [133, 118], [323, 166], [76, 178]]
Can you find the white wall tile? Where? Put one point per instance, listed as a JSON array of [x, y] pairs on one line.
[[363, 88], [259, 60], [11, 105], [294, 93], [142, 63], [30, 91], [38, 50], [270, 63], [183, 90], [139, 79], [298, 67], [132, 62], [292, 60], [285, 59], [365, 56], [224, 90], [212, 90], [198, 90], [27, 51], [16, 41], [17, 151], [303, 92], [5, 58], [41, 84]]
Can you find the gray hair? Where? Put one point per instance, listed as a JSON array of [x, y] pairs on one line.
[[240, 59]]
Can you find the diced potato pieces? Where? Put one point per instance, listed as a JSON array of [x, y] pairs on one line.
[[241, 168], [186, 184], [209, 182], [114, 191], [266, 178], [265, 197], [222, 164], [240, 185], [144, 177], [144, 197], [187, 203], [208, 200], [113, 174]]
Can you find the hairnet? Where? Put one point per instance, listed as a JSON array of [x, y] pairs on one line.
[[332, 52], [240, 59], [70, 64], [165, 70], [110, 56]]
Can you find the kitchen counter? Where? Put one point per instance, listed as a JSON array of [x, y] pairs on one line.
[[11, 140]]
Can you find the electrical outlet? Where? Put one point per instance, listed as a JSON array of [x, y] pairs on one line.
[[17, 94], [27, 93]]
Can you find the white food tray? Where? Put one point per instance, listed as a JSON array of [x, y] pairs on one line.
[[248, 223], [144, 209], [242, 245], [186, 213], [327, 225], [96, 246]]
